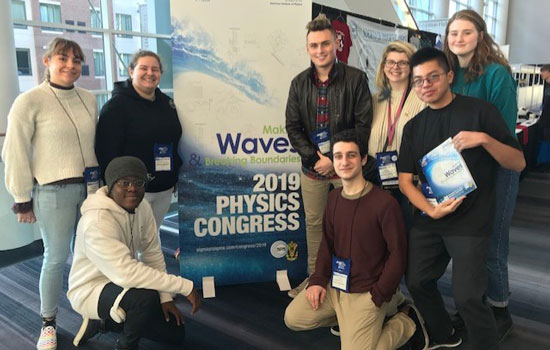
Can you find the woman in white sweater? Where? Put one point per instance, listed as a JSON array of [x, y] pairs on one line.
[[48, 148]]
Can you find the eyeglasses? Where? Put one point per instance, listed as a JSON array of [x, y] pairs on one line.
[[432, 78], [125, 184], [400, 64]]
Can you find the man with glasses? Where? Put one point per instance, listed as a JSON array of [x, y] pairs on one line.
[[119, 273], [458, 228]]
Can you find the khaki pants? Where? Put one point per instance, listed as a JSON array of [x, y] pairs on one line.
[[361, 323], [314, 195]]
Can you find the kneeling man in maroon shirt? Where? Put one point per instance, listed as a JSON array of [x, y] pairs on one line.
[[360, 262]]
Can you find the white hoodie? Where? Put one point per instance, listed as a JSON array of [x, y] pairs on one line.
[[113, 245]]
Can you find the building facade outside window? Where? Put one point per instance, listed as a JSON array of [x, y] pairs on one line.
[[123, 65], [50, 13], [124, 23], [18, 12], [107, 54], [99, 63]]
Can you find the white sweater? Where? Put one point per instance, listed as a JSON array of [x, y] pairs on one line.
[[113, 245], [42, 143]]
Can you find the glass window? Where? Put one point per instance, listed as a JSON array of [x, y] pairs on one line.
[[81, 24], [124, 22], [50, 13], [123, 62], [85, 70], [101, 99], [95, 19], [457, 5], [70, 22], [421, 9], [18, 12], [490, 14], [99, 64], [23, 61], [151, 16]]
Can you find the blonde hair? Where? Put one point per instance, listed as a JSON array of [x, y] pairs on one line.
[[382, 81], [60, 46]]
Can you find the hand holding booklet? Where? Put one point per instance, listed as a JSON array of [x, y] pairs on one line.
[[447, 172]]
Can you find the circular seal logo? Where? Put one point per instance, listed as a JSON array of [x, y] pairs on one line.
[[279, 249], [394, 158]]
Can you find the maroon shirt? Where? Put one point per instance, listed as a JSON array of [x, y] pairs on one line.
[[369, 230]]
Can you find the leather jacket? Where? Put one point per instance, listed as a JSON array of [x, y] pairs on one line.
[[349, 104]]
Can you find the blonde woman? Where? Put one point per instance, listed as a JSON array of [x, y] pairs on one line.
[[393, 106]]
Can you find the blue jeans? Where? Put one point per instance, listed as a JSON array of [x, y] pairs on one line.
[[507, 185], [57, 210]]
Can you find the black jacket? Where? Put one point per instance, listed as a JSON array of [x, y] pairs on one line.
[[349, 103], [130, 125]]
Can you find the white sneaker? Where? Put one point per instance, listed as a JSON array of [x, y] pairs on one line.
[[294, 292], [48, 337]]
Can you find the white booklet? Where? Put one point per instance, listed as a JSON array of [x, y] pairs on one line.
[[447, 172]]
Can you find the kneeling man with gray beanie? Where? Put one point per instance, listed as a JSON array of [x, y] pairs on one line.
[[118, 275]]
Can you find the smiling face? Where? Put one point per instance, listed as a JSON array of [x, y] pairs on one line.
[[321, 47], [64, 68], [436, 87], [128, 198], [463, 38], [146, 75], [396, 67], [347, 160]]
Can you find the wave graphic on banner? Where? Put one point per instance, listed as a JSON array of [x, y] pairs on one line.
[[194, 50]]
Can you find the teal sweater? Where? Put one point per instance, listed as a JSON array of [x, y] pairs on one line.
[[496, 86]]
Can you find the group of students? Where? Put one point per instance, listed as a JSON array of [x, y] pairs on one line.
[[361, 241], [55, 153], [362, 237]]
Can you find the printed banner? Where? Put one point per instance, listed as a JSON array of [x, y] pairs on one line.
[[369, 41], [240, 211]]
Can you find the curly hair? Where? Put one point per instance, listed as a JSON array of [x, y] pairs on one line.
[[486, 51]]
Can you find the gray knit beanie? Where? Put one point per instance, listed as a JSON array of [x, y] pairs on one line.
[[124, 166]]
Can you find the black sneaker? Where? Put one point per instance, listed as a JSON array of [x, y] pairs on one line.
[[88, 330], [458, 322], [419, 339], [503, 321], [335, 330], [121, 344], [453, 341]]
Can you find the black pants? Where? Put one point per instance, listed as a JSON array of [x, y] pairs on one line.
[[429, 255], [144, 317]]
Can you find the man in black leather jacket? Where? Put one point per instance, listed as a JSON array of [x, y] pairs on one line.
[[324, 99]]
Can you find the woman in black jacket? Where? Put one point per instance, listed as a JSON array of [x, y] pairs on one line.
[[141, 121]]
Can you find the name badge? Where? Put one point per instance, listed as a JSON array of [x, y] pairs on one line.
[[321, 138], [428, 193], [92, 175], [387, 169], [163, 157], [340, 273]]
